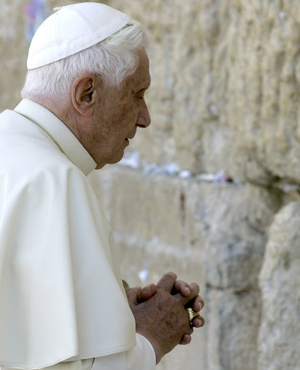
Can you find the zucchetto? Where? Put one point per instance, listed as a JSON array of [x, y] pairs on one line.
[[71, 29]]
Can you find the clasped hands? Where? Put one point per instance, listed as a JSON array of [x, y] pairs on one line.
[[161, 314]]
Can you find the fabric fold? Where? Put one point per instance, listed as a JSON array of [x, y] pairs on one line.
[[61, 293]]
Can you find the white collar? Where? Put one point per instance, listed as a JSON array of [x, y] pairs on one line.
[[59, 133]]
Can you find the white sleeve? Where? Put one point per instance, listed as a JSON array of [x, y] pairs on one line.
[[141, 356]]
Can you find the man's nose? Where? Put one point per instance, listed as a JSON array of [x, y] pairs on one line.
[[144, 118]]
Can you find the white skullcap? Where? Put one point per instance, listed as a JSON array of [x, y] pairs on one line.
[[71, 29]]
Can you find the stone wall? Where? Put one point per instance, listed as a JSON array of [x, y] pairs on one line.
[[13, 49], [279, 281], [212, 233], [210, 189]]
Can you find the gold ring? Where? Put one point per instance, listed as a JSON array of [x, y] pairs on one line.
[[192, 315]]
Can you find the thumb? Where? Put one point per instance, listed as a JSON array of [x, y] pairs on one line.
[[146, 293], [132, 294]]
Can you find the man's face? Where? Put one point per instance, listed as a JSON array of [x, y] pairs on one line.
[[118, 114]]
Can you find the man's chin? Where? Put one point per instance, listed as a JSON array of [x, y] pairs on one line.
[[116, 158]]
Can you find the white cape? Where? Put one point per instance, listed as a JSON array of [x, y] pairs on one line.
[[61, 294]]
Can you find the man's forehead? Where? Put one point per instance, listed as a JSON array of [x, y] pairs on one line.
[[140, 79], [140, 83], [142, 74]]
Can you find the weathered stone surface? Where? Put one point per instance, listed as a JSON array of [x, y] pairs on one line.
[[154, 217], [232, 328], [234, 220], [225, 86], [56, 3], [228, 222], [13, 49], [280, 282], [214, 234], [263, 89]]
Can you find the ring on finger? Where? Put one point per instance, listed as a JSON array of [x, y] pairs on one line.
[[192, 315]]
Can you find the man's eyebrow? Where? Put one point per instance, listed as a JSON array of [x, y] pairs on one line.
[[143, 87], [142, 90], [147, 85]]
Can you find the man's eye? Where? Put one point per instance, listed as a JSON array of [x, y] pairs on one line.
[[141, 94]]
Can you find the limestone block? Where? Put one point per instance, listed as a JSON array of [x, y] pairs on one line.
[[263, 90], [225, 223], [255, 67], [152, 218], [213, 234], [225, 86], [279, 335], [234, 219], [232, 322], [13, 49], [56, 3]]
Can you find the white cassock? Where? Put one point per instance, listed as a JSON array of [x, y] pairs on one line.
[[62, 302]]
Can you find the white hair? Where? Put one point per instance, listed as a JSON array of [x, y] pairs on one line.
[[114, 59]]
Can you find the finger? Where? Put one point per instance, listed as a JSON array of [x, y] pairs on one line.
[[167, 281], [182, 287], [146, 293], [198, 303], [188, 301], [186, 339], [198, 322], [194, 288], [132, 294]]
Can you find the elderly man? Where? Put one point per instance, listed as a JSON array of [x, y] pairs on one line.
[[62, 300]]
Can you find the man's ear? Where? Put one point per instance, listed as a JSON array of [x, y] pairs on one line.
[[83, 93]]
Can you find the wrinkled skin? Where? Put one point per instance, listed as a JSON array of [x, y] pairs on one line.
[[160, 312]]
